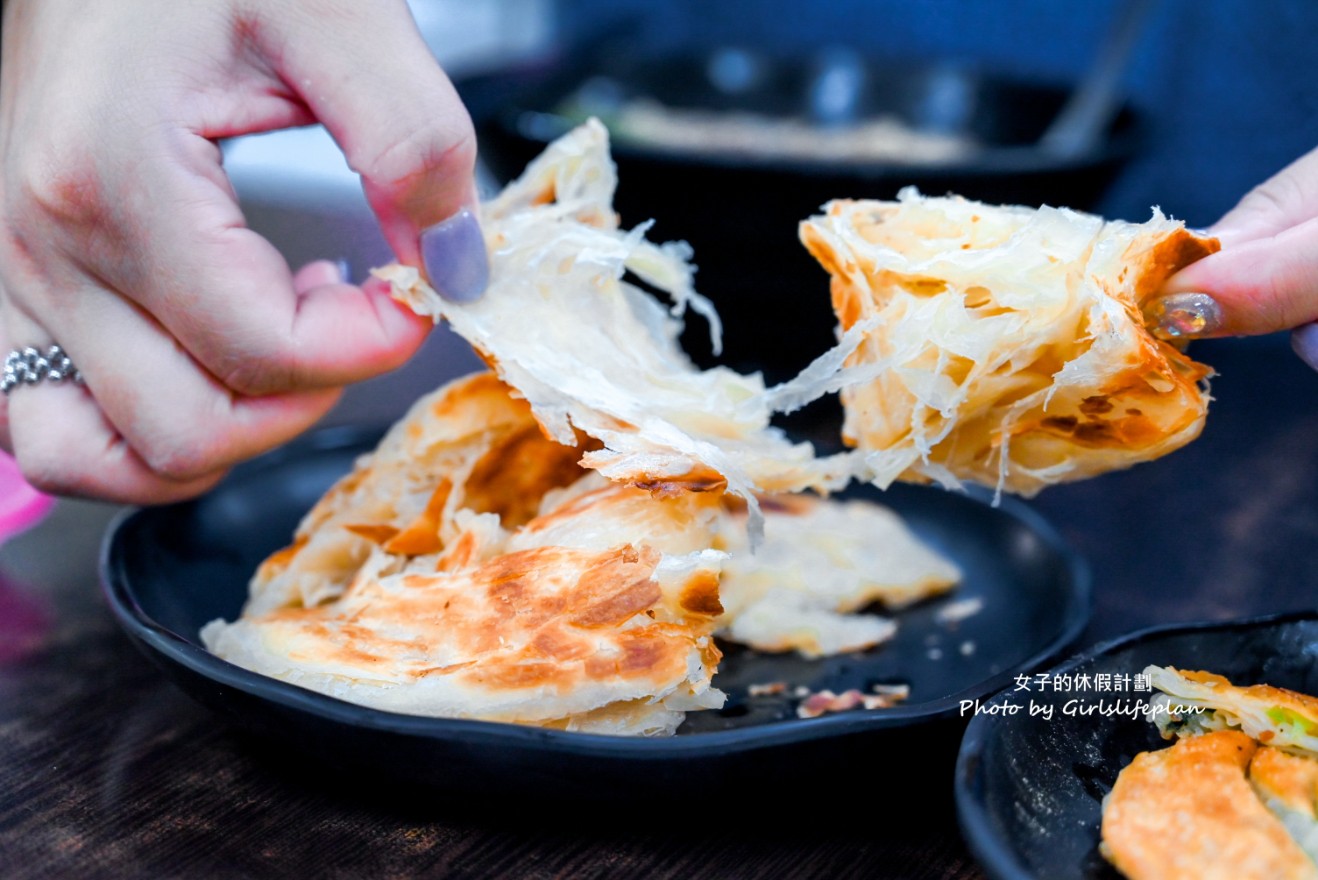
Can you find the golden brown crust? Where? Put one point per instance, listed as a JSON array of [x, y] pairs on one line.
[[540, 633], [517, 471], [699, 479], [1170, 255], [542, 618], [1270, 710], [1188, 811], [421, 535], [1281, 697], [700, 596], [1290, 779]]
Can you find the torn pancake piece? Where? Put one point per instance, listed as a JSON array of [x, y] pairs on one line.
[[1272, 715], [469, 568], [823, 561], [566, 322], [1189, 811], [1009, 347]]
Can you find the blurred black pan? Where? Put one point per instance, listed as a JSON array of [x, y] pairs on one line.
[[741, 212]]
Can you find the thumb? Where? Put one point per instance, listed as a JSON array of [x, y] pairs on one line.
[[366, 74]]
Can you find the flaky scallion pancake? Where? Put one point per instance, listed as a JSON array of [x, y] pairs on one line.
[[822, 560], [1287, 784], [1273, 716], [1189, 811], [1009, 346], [527, 590], [565, 322]]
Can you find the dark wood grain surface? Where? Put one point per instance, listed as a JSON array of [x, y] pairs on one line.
[[107, 771]]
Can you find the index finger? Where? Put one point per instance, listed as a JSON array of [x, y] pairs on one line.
[[373, 82]]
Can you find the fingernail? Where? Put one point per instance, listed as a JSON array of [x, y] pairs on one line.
[[1305, 342], [453, 253], [1183, 315], [344, 269]]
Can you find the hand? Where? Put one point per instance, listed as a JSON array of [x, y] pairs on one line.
[[122, 240], [1265, 278]]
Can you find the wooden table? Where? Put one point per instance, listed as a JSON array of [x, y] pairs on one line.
[[107, 771]]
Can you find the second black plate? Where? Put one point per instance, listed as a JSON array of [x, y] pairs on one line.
[[169, 570], [1030, 787]]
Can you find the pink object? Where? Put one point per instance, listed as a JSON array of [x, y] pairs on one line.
[[25, 622], [21, 506]]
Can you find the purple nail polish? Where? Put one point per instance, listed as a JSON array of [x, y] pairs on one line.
[[345, 271], [1305, 342], [453, 253]]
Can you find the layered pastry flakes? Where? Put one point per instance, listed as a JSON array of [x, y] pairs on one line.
[[1007, 345]]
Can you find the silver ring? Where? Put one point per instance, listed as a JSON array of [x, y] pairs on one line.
[[28, 366]]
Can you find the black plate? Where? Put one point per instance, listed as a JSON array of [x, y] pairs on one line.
[[169, 570], [1029, 790]]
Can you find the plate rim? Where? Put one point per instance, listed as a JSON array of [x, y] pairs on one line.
[[176, 648], [998, 859]]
